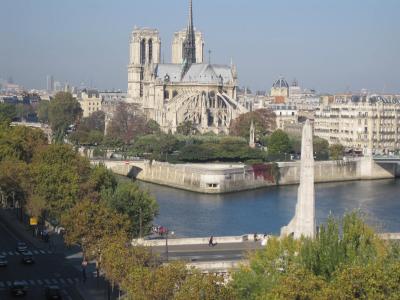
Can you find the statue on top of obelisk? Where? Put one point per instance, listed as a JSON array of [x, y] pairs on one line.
[[303, 222]]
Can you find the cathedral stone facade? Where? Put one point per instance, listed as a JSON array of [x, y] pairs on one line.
[[188, 89]]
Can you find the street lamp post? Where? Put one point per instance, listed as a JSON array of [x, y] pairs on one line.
[[166, 242]]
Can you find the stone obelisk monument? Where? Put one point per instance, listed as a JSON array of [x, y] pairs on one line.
[[303, 222]]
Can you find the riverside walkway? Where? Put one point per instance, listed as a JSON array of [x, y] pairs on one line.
[[229, 252]]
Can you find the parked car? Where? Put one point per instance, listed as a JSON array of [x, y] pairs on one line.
[[53, 292], [18, 288], [27, 258], [3, 261], [21, 247]]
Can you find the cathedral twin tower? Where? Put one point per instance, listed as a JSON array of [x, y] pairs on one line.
[[187, 89]]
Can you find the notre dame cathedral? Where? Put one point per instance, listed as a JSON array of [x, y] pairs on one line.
[[188, 89]]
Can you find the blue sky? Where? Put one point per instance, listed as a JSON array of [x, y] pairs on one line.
[[329, 45]]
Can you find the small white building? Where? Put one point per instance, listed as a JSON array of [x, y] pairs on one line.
[[285, 114]]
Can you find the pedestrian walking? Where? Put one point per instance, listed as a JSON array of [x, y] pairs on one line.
[[211, 242], [84, 264]]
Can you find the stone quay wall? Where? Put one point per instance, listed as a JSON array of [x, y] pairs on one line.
[[224, 178]]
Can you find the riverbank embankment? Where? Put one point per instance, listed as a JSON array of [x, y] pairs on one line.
[[220, 178]]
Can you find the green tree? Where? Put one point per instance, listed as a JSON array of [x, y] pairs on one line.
[[186, 128], [63, 111], [7, 113], [95, 137], [298, 283], [321, 148], [20, 142], [278, 144], [336, 151], [375, 280], [203, 286], [266, 268], [43, 111], [153, 127], [14, 182], [59, 177], [130, 200], [155, 146], [101, 179], [346, 260]]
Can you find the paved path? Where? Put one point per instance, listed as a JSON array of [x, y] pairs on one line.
[[203, 252]]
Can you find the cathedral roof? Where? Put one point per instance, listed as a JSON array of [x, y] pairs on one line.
[[280, 83], [200, 73]]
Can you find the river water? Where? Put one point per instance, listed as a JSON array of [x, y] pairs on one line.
[[267, 210]]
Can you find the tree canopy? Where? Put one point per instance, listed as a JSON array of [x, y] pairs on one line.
[[336, 151], [127, 123], [7, 113], [264, 122], [346, 260], [138, 205], [59, 175], [186, 128], [89, 222], [43, 111], [20, 142], [63, 111], [278, 144]]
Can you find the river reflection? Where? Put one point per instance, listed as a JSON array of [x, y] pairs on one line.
[[267, 210]]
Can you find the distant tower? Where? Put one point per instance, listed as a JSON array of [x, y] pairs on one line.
[[189, 45], [50, 83], [145, 49], [252, 139]]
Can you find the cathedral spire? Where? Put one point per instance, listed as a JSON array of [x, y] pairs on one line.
[[189, 45]]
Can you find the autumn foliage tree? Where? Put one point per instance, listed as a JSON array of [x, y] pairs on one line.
[[264, 121], [127, 123], [89, 222], [90, 130]]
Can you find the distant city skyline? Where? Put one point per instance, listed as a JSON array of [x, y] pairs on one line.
[[330, 46]]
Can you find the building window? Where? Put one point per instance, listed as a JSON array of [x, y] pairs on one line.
[[174, 94], [150, 50], [212, 185], [143, 52], [166, 95]]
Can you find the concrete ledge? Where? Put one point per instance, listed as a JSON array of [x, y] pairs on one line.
[[211, 178], [191, 241], [217, 266], [390, 236]]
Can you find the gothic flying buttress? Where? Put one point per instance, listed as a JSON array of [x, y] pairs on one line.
[[189, 45]]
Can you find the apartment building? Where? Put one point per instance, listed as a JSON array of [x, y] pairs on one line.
[[360, 123]]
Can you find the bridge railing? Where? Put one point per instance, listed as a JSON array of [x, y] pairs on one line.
[[386, 157]]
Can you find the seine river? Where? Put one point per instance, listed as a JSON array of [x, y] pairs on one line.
[[267, 210]]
